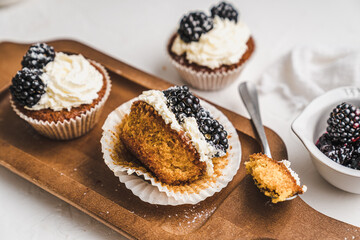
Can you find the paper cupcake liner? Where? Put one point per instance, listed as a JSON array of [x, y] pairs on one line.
[[74, 127], [205, 80], [148, 188]]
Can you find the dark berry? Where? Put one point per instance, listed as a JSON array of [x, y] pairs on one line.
[[216, 138], [173, 100], [193, 25], [38, 56], [202, 114], [208, 122], [180, 116], [178, 108], [346, 154], [224, 141], [188, 102], [187, 111], [217, 130], [215, 124], [184, 105], [224, 10], [204, 129], [343, 123], [195, 106], [196, 100], [181, 97], [27, 87]]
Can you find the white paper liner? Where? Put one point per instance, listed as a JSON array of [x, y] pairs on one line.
[[154, 192], [74, 127], [205, 80]]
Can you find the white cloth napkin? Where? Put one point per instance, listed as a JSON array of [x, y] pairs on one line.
[[306, 73]]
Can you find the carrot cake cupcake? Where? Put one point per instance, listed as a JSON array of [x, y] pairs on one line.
[[210, 51], [177, 143], [60, 95]]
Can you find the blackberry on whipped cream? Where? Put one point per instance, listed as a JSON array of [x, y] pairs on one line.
[[211, 53], [38, 56], [55, 81], [184, 105], [225, 10], [27, 87], [223, 44], [193, 25], [207, 135]]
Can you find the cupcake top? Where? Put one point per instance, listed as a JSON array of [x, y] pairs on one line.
[[212, 41], [183, 111], [55, 81]]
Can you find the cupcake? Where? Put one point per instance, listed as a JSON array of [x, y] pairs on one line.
[[209, 52], [171, 139], [61, 96]]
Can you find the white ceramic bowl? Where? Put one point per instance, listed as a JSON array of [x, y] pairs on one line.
[[311, 124]]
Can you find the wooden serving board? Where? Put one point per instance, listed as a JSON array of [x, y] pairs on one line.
[[75, 172]]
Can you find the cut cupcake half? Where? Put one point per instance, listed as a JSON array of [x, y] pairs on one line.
[[173, 142]]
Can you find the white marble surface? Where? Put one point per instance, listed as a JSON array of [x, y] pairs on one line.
[[136, 32]]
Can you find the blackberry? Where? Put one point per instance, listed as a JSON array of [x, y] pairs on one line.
[[225, 10], [27, 87], [184, 104], [193, 25], [346, 154], [38, 56], [344, 123]]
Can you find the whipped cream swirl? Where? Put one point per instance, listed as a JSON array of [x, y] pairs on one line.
[[225, 44], [157, 100], [293, 174], [70, 82]]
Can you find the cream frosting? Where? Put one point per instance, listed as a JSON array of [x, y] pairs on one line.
[[224, 44], [70, 82], [293, 173], [206, 151], [157, 99]]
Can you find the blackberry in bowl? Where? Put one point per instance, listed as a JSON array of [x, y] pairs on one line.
[[341, 141], [329, 129]]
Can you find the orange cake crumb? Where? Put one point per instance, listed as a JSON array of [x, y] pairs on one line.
[[272, 177]]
